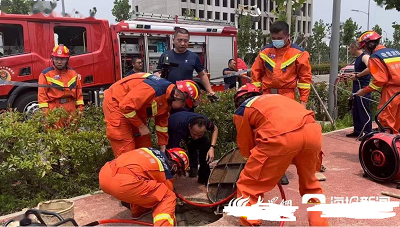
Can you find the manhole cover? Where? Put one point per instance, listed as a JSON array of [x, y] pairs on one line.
[[223, 178]]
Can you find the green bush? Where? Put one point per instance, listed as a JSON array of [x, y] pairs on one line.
[[39, 164], [324, 68]]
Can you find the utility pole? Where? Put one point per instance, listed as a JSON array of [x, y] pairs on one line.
[[369, 3], [289, 13], [63, 8], [334, 54]]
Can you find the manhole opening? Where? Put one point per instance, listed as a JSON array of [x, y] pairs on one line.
[[188, 215]]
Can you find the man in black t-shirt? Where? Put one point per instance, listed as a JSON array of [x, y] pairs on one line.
[[230, 82], [188, 129]]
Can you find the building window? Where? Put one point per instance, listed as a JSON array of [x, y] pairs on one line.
[[253, 2], [309, 10], [254, 26], [193, 1], [209, 2], [224, 16], [304, 27], [74, 38], [309, 27], [183, 0], [232, 17], [259, 5], [246, 2], [260, 24], [201, 13], [11, 39], [209, 14], [232, 4], [217, 14], [265, 23], [225, 3], [201, 1], [137, 8], [303, 9], [271, 6], [216, 2], [298, 26], [266, 5], [183, 11]]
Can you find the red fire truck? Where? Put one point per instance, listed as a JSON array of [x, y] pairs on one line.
[[100, 53]]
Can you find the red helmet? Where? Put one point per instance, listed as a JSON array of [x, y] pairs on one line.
[[191, 90], [246, 89], [180, 158], [366, 37], [60, 51]]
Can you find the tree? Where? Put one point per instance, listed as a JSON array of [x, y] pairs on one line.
[[16, 6], [189, 13], [316, 46], [280, 10], [350, 31], [122, 10], [249, 41], [396, 36], [389, 4], [378, 29]]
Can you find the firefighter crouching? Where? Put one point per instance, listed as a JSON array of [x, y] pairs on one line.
[[144, 179], [131, 102], [281, 139], [67, 90], [383, 64]]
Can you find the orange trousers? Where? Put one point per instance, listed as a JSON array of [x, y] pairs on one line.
[[124, 185], [390, 116], [121, 133], [268, 162]]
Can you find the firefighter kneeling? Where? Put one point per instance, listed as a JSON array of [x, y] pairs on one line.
[[274, 131], [144, 178]]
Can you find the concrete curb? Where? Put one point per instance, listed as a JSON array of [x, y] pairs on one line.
[[13, 215]]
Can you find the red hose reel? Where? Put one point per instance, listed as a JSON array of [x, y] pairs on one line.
[[379, 153]]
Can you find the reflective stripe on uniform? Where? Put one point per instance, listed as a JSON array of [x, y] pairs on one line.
[[80, 102], [257, 84], [154, 108], [290, 61], [131, 114], [163, 216], [373, 86], [54, 81], [391, 60], [160, 165], [146, 75], [72, 82], [251, 101], [161, 129], [43, 105], [268, 62], [304, 86]]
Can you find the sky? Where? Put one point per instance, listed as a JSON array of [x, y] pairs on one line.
[[322, 9]]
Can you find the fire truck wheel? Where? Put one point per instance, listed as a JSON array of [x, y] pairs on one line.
[[27, 102]]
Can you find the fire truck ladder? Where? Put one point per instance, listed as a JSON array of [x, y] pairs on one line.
[[179, 19]]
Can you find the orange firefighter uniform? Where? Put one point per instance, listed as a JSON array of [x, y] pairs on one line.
[[384, 65], [143, 178], [280, 71], [272, 138], [66, 93], [129, 103]]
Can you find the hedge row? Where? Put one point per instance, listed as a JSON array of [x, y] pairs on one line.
[[38, 164]]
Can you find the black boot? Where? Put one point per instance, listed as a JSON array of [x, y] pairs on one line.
[[284, 180]]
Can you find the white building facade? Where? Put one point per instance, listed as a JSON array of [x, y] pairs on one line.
[[225, 10]]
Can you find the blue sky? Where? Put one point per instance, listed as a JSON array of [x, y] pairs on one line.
[[322, 10]]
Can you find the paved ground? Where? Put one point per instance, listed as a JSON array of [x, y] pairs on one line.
[[344, 178], [321, 78]]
